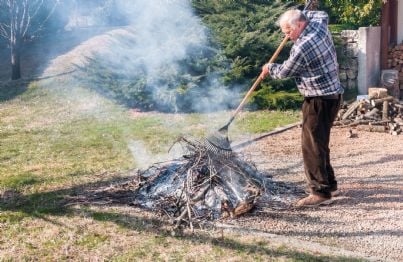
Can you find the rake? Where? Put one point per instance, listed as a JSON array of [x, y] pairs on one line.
[[218, 142]]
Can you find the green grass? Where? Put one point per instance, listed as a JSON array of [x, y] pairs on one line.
[[9, 217], [91, 240], [52, 136], [57, 141], [264, 121]]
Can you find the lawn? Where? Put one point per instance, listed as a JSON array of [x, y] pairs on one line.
[[51, 135], [56, 141]]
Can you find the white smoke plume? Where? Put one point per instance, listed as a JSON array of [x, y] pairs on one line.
[[165, 29], [163, 34], [144, 158]]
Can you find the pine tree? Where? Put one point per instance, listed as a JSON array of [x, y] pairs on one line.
[[245, 30]]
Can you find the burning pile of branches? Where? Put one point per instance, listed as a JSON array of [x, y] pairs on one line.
[[376, 112], [201, 185]]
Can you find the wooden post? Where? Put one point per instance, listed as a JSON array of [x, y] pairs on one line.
[[385, 34], [393, 8]]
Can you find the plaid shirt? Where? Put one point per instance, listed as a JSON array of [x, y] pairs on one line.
[[312, 60]]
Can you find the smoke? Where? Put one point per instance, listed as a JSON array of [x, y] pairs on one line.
[[164, 60], [162, 51], [144, 158], [165, 29], [166, 35]]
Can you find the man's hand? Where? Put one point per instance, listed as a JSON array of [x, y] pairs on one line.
[[265, 71]]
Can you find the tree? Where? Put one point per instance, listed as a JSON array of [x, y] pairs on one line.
[[18, 17], [354, 12]]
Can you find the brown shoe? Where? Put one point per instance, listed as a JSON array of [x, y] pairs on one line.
[[334, 193], [312, 201]]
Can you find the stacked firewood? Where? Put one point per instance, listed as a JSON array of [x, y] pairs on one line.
[[395, 61], [377, 112]]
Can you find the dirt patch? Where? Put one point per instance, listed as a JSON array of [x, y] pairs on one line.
[[366, 217]]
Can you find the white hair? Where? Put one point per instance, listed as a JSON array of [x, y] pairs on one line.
[[291, 17]]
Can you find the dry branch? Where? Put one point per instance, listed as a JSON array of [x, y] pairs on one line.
[[201, 185]]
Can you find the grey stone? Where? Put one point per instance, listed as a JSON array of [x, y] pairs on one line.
[[344, 83], [349, 35], [352, 46], [352, 74], [351, 52], [342, 75], [351, 83]]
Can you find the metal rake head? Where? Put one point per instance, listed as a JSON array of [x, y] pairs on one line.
[[217, 150]]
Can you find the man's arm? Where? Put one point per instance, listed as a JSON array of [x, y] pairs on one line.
[[290, 68], [318, 16]]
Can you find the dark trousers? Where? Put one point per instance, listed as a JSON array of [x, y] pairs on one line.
[[318, 116]]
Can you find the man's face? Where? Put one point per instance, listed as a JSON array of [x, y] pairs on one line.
[[293, 33]]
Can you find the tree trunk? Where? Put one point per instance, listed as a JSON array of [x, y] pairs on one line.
[[15, 58]]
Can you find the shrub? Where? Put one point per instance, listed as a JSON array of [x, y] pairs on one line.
[[268, 98]]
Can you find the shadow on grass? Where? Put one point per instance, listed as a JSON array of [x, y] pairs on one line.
[[11, 89], [259, 248], [63, 203], [37, 55], [35, 59]]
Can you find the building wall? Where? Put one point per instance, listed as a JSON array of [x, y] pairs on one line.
[[359, 58], [348, 58]]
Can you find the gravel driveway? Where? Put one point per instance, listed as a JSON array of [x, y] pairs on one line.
[[367, 216]]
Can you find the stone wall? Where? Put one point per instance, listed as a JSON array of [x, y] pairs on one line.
[[348, 51]]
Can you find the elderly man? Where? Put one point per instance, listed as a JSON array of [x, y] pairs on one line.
[[313, 64]]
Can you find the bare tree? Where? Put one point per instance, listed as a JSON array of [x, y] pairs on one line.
[[19, 17]]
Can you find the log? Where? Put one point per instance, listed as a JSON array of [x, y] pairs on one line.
[[365, 122], [351, 109], [393, 126], [385, 109], [396, 132], [242, 208], [372, 114], [342, 122], [377, 92], [398, 121], [371, 128], [359, 122], [340, 113], [379, 101]]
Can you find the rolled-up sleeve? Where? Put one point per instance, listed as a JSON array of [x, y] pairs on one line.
[[290, 68], [318, 16]]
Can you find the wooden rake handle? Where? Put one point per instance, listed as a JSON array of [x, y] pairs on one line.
[[259, 79]]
